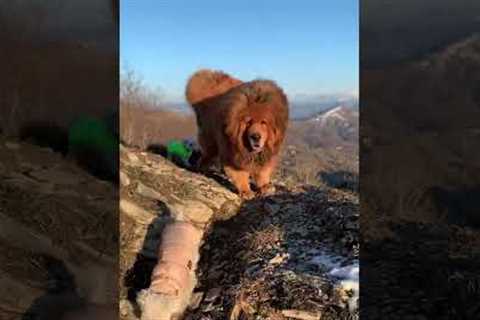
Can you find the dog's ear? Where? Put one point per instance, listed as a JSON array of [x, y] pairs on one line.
[[234, 130], [272, 139], [230, 130], [275, 137], [235, 121]]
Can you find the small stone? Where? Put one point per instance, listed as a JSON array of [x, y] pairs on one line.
[[228, 210], [12, 146], [271, 208], [124, 179], [148, 192], [213, 294], [279, 258], [195, 300], [302, 315], [132, 157], [209, 307], [124, 307], [136, 212]]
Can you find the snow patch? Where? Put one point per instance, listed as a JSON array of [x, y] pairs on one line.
[[335, 113], [347, 275]]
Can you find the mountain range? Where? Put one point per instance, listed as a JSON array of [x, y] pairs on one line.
[[306, 106], [302, 106]]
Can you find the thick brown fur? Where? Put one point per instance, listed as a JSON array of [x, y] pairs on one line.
[[230, 113]]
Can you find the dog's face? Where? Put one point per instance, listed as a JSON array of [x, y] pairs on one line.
[[256, 133]]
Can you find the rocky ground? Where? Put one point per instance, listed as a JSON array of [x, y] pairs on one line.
[[276, 257], [289, 256], [58, 236]]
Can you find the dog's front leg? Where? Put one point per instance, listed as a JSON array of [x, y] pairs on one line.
[[208, 153], [240, 179], [263, 175]]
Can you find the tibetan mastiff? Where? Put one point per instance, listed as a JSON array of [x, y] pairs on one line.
[[242, 124]]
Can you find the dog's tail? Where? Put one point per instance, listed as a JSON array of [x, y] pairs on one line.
[[205, 84]]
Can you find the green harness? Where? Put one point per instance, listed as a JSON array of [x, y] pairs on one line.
[[177, 149], [93, 134]]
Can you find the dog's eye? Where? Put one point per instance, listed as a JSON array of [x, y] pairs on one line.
[[264, 122]]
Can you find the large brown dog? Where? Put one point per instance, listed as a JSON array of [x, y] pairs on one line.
[[243, 123]]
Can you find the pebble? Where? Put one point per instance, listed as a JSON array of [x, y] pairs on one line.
[[12, 146], [213, 294], [271, 208], [279, 258], [302, 315], [124, 179], [132, 157], [195, 300]]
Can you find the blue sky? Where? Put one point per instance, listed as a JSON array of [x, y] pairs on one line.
[[308, 47]]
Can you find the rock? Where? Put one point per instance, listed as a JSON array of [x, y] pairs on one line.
[[166, 195], [148, 192], [195, 300], [279, 258], [271, 208], [339, 179], [302, 315], [132, 157], [125, 308], [213, 294], [135, 212], [12, 146], [124, 179], [209, 307], [193, 211]]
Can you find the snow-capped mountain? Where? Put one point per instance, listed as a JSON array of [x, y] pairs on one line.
[[303, 107], [339, 113], [338, 124], [335, 127]]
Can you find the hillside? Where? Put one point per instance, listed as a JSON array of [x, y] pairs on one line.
[[414, 134], [420, 170], [323, 149]]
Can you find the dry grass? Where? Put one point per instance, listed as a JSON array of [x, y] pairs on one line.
[[270, 236], [247, 301], [144, 120], [140, 127]]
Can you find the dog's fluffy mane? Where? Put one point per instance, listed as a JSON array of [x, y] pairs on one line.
[[217, 89], [205, 84]]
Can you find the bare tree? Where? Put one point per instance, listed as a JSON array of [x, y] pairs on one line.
[[137, 100]]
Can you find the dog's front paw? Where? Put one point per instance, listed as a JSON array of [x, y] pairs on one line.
[[247, 195], [201, 168], [267, 190]]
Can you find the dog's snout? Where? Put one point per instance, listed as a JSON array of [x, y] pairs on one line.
[[255, 137]]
